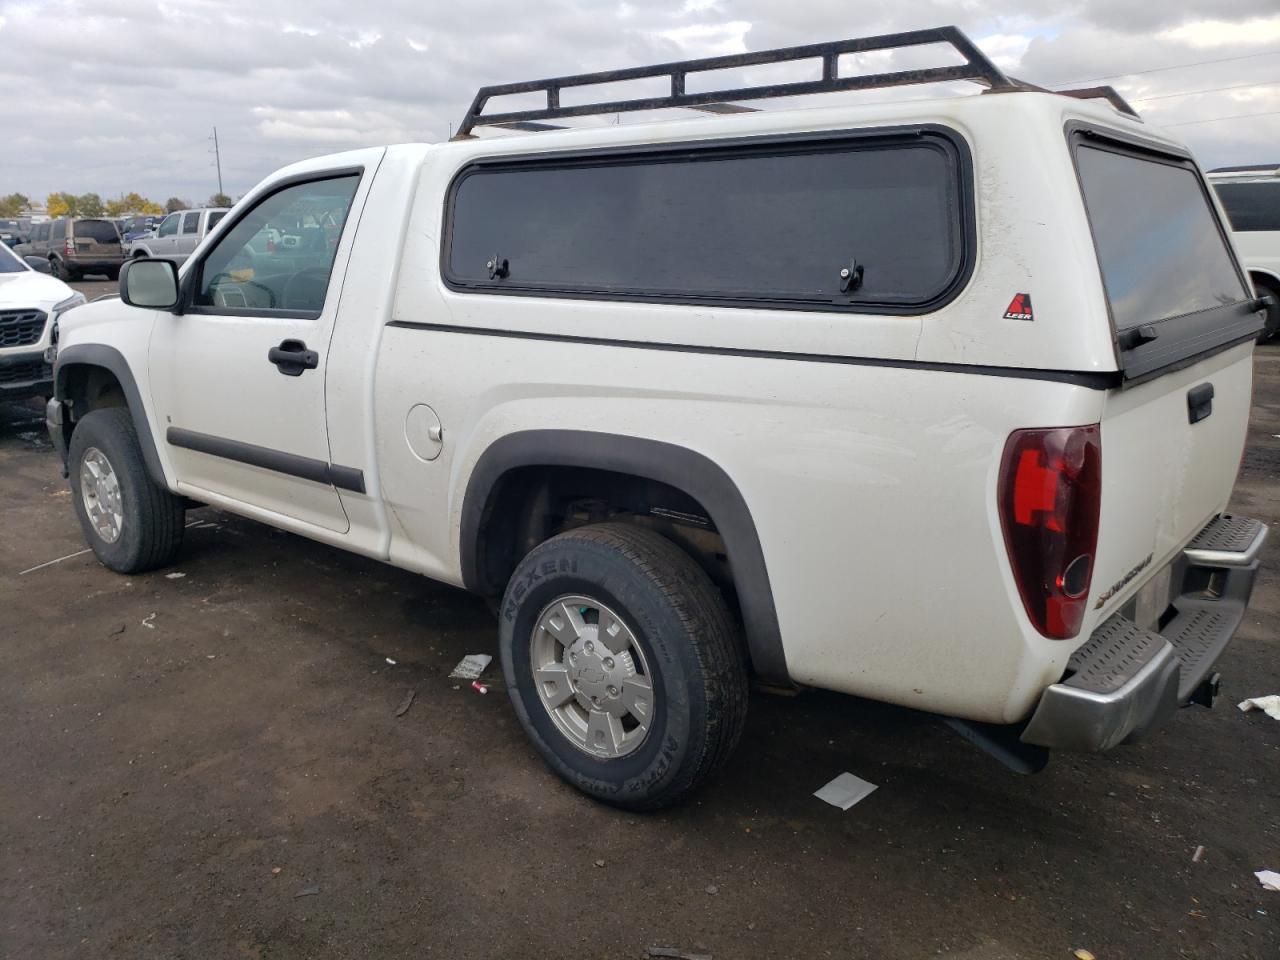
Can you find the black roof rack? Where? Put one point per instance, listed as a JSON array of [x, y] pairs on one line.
[[977, 67]]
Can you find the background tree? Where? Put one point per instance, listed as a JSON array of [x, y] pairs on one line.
[[14, 205], [61, 204], [89, 205], [130, 203], [220, 200], [152, 209], [175, 203]]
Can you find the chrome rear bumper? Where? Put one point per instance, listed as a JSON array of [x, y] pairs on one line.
[[1126, 680]]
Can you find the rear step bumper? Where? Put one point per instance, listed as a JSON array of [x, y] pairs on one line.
[[1127, 680]]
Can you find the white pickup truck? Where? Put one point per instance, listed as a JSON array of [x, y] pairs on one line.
[[937, 402]]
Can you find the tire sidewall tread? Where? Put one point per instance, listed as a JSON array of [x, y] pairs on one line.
[[153, 517]]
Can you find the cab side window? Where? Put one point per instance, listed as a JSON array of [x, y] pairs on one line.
[[169, 226], [278, 257], [191, 222], [59, 230]]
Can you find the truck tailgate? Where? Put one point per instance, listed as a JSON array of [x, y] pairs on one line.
[[1163, 476]]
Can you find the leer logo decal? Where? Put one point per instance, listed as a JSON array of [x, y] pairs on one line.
[[1019, 308]]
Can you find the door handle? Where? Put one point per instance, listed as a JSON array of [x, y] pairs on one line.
[[1199, 402], [292, 357]]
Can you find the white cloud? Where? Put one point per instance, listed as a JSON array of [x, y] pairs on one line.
[[1221, 33], [118, 95]]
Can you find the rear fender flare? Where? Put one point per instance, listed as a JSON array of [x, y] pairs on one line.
[[679, 467]]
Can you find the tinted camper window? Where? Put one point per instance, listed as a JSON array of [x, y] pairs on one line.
[[758, 225]]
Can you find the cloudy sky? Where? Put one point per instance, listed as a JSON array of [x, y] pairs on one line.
[[118, 95]]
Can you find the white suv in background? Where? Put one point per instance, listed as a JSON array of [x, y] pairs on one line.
[[177, 235], [1251, 197]]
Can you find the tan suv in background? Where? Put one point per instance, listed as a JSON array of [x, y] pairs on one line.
[[76, 246]]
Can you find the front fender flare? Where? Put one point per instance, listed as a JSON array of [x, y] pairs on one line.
[[111, 359], [679, 467]]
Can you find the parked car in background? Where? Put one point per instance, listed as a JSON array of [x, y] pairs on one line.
[[29, 303], [75, 246], [178, 234], [1251, 197], [136, 227], [12, 233]]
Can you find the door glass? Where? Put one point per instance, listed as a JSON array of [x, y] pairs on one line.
[[191, 222], [278, 257], [169, 226]]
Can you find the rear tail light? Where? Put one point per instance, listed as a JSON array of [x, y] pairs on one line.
[[70, 247], [1050, 496]]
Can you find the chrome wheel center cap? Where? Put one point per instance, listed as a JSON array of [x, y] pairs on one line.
[[598, 674]]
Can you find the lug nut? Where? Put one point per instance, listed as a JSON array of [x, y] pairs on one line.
[[613, 691], [608, 662], [590, 646]]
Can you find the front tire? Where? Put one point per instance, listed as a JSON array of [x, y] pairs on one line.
[[622, 664], [131, 523]]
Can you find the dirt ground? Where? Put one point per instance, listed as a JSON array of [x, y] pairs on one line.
[[205, 762]]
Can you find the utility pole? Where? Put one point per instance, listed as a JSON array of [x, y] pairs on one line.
[[217, 159]]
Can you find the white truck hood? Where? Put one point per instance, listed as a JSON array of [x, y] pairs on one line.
[[31, 289]]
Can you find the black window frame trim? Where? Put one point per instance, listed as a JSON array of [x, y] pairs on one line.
[[1187, 338], [950, 140], [191, 279]]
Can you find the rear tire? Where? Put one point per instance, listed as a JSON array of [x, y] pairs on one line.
[[131, 522], [666, 664], [1267, 288]]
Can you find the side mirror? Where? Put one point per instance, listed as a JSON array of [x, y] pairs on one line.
[[149, 283], [38, 264]]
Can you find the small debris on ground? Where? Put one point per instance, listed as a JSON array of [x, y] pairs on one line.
[[406, 703], [146, 621], [677, 954], [471, 666], [174, 576], [1269, 879], [116, 630], [1198, 855], [390, 661], [310, 891], [275, 871], [845, 790], [479, 687], [1082, 954], [599, 863], [712, 889], [1268, 705]]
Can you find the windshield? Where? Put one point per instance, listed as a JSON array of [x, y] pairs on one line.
[[1159, 245], [9, 262]]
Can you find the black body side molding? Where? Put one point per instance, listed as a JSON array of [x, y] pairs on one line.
[[98, 355], [320, 471], [676, 466]]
